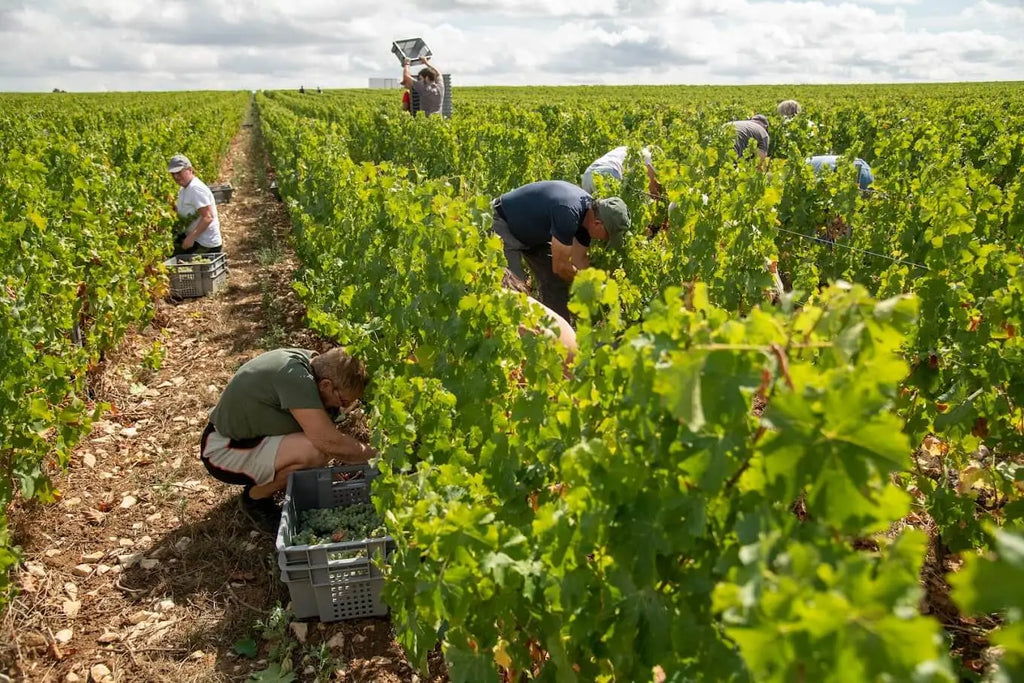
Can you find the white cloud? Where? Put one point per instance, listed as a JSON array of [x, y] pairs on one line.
[[526, 8], [76, 62], [985, 10], [187, 44]]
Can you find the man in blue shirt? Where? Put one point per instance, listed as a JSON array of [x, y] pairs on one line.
[[550, 224], [864, 175]]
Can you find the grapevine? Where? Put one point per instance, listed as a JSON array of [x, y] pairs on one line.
[[635, 515]]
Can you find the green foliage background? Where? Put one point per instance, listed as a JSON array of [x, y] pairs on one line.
[[634, 515]]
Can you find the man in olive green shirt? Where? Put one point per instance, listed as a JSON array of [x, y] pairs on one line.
[[275, 417]]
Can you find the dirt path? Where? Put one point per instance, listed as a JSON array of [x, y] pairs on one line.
[[146, 567]]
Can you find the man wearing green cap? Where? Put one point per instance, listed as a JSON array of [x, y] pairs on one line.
[[550, 224]]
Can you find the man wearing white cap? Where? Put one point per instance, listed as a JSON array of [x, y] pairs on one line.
[[194, 199]]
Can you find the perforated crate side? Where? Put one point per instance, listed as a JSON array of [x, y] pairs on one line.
[[413, 49], [192, 279], [353, 594], [323, 487], [211, 281], [352, 591]]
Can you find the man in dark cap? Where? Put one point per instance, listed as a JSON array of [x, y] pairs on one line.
[[550, 224], [755, 127]]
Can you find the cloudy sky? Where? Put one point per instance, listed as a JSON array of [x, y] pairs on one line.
[[229, 44]]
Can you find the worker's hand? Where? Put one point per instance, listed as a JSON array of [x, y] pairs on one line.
[[407, 62], [188, 242]]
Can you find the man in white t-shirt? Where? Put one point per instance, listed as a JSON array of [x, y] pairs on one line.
[[194, 198], [611, 164]]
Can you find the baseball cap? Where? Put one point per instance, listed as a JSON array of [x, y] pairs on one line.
[[614, 216], [177, 163], [760, 118]]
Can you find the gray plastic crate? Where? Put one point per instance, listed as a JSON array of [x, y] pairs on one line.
[[413, 49], [446, 103], [194, 275], [222, 193], [331, 581]]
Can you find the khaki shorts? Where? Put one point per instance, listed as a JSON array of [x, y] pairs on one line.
[[245, 462]]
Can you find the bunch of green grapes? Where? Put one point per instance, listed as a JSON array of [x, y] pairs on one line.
[[348, 523]]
